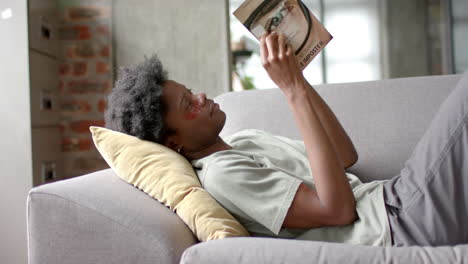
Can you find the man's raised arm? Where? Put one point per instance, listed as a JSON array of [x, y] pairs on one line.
[[339, 138], [332, 203]]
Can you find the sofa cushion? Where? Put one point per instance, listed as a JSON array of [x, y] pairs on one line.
[[385, 119], [168, 177], [279, 251]]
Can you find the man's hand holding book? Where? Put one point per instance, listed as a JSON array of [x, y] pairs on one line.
[[280, 63]]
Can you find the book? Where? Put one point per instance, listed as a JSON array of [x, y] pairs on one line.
[[293, 19]]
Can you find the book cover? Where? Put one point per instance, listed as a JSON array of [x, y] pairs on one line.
[[292, 18]]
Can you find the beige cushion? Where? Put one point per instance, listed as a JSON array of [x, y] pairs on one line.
[[168, 177]]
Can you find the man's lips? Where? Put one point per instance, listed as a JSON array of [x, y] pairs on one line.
[[213, 107]]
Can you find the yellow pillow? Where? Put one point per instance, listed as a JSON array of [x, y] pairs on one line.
[[168, 177]]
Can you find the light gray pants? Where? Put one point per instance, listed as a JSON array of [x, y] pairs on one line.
[[427, 202]]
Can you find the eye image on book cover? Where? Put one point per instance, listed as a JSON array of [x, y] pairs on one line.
[[291, 18]]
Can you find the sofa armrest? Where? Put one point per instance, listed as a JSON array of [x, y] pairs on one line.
[[99, 218], [275, 250]]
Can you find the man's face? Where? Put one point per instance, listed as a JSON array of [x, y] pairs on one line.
[[196, 120]]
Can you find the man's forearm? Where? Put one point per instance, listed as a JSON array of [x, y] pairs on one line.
[[336, 133], [330, 180]]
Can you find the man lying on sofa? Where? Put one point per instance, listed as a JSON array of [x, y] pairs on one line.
[[279, 187]]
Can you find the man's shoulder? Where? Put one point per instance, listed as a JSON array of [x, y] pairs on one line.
[[228, 164]]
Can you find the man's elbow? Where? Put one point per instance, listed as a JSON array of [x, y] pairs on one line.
[[353, 158], [348, 216]]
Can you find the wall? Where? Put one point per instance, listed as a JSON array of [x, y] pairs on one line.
[[407, 48], [190, 38], [15, 156], [85, 75], [460, 34]]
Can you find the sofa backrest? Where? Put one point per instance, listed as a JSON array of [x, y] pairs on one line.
[[385, 119]]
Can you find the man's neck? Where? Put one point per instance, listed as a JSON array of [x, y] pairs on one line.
[[219, 145]]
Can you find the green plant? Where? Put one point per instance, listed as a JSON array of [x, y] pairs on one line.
[[247, 82]]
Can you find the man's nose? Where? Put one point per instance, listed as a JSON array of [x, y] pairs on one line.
[[201, 97]]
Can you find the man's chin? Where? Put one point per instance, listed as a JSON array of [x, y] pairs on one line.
[[221, 124], [223, 119]]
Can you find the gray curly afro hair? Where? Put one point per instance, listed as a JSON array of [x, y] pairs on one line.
[[135, 106]]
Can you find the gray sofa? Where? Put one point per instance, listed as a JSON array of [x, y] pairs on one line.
[[99, 218]]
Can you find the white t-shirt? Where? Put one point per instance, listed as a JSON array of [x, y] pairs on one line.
[[257, 179]]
